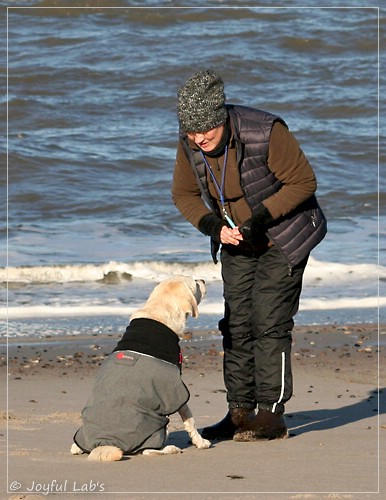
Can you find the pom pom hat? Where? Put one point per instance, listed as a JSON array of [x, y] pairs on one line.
[[201, 102]]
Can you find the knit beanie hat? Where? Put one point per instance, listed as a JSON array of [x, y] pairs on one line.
[[201, 102]]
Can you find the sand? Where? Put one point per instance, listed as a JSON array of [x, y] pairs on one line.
[[336, 421]]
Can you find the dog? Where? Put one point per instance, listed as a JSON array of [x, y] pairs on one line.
[[139, 384]]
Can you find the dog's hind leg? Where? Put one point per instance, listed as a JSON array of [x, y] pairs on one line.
[[105, 454], [191, 429]]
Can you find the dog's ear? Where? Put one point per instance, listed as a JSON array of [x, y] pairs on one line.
[[194, 306], [191, 304]]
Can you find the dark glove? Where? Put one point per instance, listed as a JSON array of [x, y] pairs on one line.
[[255, 228], [211, 225]]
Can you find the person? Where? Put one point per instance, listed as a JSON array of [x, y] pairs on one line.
[[241, 178]]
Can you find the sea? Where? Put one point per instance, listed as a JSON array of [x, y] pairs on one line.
[[88, 226]]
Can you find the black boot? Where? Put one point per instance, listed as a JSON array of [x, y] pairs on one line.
[[264, 426], [226, 428], [222, 430]]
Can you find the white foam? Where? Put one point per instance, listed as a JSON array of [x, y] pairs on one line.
[[208, 308], [338, 272], [148, 270], [327, 286], [63, 311], [342, 303], [322, 271]]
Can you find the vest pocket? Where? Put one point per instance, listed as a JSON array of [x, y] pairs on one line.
[[298, 235]]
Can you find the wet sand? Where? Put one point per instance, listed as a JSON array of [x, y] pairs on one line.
[[336, 421]]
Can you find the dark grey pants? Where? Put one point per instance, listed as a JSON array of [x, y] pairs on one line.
[[261, 297]]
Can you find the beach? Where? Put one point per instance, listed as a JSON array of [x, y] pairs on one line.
[[337, 424]]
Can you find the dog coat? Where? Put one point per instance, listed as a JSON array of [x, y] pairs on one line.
[[134, 392]]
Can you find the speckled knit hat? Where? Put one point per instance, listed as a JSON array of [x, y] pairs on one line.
[[201, 102]]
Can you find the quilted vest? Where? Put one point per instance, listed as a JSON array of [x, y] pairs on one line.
[[295, 234]]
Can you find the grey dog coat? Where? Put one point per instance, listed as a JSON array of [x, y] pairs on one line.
[[135, 391]]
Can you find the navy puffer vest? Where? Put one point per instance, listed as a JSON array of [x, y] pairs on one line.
[[298, 232]]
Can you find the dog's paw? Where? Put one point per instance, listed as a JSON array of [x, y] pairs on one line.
[[171, 449], [75, 450], [105, 454], [168, 450], [203, 444]]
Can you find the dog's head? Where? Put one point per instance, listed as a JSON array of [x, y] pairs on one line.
[[172, 301], [188, 291]]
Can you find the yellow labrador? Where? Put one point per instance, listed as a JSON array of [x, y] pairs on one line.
[[139, 384]]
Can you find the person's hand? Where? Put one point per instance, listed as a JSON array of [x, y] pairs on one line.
[[230, 236], [255, 228]]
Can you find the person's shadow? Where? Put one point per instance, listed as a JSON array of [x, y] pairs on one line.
[[323, 419], [315, 420], [312, 420]]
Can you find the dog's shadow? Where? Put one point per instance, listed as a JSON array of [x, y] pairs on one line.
[[179, 439], [324, 419]]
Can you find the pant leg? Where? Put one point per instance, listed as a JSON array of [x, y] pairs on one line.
[[238, 272], [275, 301]]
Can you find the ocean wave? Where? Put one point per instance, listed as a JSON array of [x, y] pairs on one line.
[[107, 273], [116, 272], [207, 308]]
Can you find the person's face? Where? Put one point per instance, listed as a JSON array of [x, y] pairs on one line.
[[207, 141]]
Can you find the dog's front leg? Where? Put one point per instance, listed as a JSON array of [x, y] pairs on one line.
[[191, 429]]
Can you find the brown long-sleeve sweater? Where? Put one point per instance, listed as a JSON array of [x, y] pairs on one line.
[[286, 160]]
